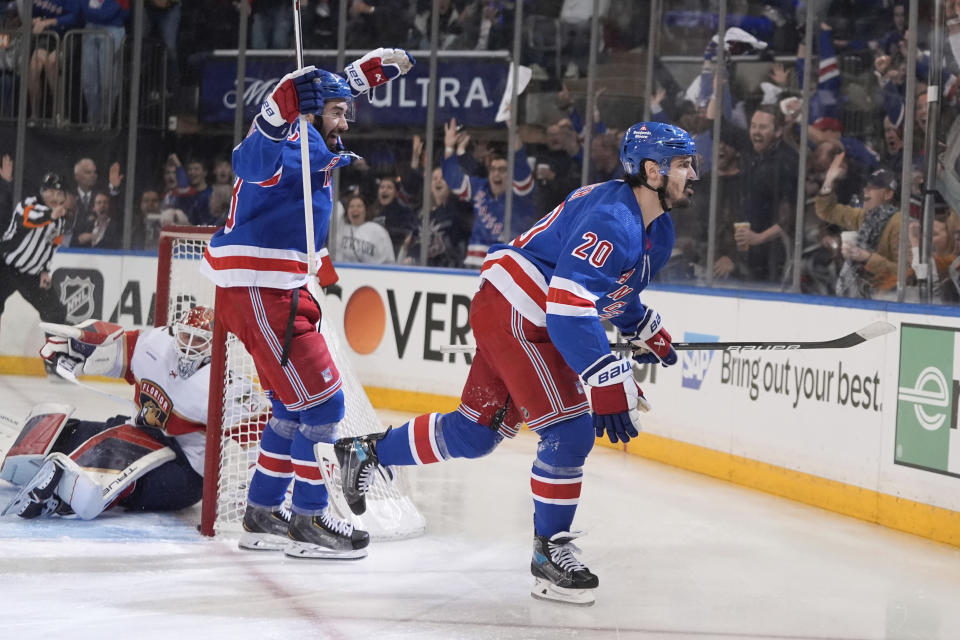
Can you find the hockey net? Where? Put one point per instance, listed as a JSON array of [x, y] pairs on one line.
[[239, 409]]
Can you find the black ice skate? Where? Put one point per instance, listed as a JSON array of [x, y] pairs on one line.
[[358, 460], [37, 498], [324, 536], [264, 529], [558, 575]]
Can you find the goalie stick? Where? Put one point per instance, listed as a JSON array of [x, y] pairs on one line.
[[65, 369], [869, 332]]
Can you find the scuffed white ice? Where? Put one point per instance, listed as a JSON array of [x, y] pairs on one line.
[[679, 556]]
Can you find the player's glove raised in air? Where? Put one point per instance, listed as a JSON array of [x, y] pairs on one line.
[[296, 93], [69, 346], [615, 398], [651, 342], [376, 68]]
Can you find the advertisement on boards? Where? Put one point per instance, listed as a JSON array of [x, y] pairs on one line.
[[927, 399]]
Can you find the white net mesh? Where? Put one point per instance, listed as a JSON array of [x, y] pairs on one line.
[[390, 512]]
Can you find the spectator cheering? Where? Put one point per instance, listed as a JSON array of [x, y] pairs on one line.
[[489, 195], [870, 262], [397, 219], [359, 239]]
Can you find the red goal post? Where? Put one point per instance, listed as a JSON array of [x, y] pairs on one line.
[[238, 409]]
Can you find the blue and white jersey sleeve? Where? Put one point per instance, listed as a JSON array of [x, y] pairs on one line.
[[594, 259], [461, 185], [258, 157]]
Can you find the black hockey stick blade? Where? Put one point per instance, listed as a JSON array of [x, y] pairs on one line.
[[869, 332]]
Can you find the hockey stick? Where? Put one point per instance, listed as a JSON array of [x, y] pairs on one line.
[[65, 369], [313, 285], [869, 332]]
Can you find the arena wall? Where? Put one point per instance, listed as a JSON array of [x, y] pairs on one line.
[[870, 431]]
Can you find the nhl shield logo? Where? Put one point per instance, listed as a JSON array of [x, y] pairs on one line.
[[76, 295]]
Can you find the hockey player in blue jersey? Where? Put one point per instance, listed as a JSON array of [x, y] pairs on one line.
[[537, 323], [258, 261]]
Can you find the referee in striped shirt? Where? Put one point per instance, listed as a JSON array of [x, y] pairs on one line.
[[32, 233]]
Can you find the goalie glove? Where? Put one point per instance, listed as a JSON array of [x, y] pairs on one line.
[[296, 93], [78, 342], [615, 398], [651, 342], [376, 68]]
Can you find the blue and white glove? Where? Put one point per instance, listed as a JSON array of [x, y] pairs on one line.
[[376, 68], [615, 398], [652, 341], [296, 93]]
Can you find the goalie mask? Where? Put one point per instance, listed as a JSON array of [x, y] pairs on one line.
[[193, 333]]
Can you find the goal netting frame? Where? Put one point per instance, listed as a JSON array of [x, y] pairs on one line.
[[238, 409]]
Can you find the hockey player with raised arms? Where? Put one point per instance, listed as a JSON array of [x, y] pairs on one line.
[[540, 343], [259, 263], [152, 461]]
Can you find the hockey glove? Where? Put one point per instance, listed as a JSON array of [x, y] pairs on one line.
[[326, 274], [296, 93], [376, 68], [77, 343], [651, 342], [615, 398]]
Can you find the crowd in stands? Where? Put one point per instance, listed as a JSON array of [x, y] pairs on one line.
[[853, 166]]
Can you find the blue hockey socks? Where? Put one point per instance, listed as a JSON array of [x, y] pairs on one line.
[[433, 437], [557, 474], [274, 469]]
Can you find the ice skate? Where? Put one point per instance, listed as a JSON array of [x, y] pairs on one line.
[[37, 498], [558, 575], [264, 529], [358, 461], [324, 536]]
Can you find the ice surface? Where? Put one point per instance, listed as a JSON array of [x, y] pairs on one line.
[[680, 556]]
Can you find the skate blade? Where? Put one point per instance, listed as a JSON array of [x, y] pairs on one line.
[[546, 590], [296, 549], [23, 495], [250, 541]]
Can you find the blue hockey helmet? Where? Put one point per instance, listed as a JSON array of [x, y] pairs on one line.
[[336, 87], [656, 141]]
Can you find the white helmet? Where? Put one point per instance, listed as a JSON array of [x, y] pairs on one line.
[[193, 332]]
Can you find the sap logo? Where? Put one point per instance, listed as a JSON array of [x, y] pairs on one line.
[[695, 364]]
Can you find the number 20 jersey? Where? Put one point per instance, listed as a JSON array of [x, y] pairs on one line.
[[584, 262]]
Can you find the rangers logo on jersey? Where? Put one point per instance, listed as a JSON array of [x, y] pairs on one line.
[[155, 405]]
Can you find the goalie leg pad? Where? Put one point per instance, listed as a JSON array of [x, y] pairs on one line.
[[171, 486], [102, 468], [557, 474], [37, 438]]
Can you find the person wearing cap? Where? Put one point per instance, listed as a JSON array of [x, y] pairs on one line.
[[941, 271], [870, 264], [30, 237]]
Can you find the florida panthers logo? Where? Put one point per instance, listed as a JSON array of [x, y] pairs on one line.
[[151, 415], [154, 405]]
